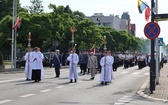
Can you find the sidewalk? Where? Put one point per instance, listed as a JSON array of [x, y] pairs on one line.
[[161, 90]]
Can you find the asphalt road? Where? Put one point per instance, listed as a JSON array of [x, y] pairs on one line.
[[14, 90]]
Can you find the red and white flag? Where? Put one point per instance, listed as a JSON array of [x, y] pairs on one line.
[[147, 13], [17, 23], [93, 50]]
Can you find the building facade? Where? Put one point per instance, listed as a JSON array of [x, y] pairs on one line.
[[114, 21]]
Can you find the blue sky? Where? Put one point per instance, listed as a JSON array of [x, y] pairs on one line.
[[115, 7]]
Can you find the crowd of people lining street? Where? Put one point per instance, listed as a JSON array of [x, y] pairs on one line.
[[90, 62]]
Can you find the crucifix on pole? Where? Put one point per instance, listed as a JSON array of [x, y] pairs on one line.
[[73, 29]]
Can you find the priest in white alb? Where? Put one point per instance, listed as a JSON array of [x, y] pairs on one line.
[[106, 68], [28, 64], [73, 59], [36, 60]]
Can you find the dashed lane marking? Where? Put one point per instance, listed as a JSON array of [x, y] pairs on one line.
[[46, 90], [27, 95], [58, 87], [5, 101], [12, 80]]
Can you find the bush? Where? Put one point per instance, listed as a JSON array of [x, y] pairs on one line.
[[1, 58]]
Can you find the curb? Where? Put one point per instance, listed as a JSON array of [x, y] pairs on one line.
[[142, 89]]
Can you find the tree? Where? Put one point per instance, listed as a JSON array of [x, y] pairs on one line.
[[36, 7], [6, 8]]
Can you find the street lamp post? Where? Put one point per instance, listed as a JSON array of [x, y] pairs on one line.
[[73, 29], [29, 39]]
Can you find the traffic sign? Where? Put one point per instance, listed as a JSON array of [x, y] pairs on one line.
[[160, 42], [152, 30]]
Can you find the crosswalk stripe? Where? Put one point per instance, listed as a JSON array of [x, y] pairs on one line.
[[119, 103]]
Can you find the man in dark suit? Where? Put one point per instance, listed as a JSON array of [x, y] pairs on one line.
[[57, 62]]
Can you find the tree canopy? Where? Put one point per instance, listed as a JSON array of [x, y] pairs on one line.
[[52, 30]]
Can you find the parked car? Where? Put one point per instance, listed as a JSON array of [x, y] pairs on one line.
[[46, 61], [20, 62]]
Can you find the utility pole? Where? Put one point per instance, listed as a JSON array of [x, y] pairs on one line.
[[13, 31], [157, 49], [152, 62]]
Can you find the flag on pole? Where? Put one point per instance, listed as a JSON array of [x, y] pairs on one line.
[[147, 13], [93, 49], [17, 23], [141, 6], [144, 6]]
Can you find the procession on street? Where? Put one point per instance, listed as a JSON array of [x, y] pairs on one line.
[[91, 62]]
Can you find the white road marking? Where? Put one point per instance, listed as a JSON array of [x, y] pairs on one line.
[[146, 73], [119, 103], [27, 95], [58, 87], [46, 90], [4, 101], [12, 80], [135, 73]]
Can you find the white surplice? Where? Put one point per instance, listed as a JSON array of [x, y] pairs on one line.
[[111, 62], [28, 65], [106, 71], [37, 64], [73, 62]]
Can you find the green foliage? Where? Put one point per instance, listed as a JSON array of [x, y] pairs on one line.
[[47, 28], [5, 8], [36, 7], [1, 58]]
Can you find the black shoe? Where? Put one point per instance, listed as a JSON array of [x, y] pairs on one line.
[[105, 83], [27, 79], [70, 81], [92, 78], [35, 81], [102, 83], [75, 80], [56, 76]]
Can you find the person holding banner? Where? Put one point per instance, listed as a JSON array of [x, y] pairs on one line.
[[73, 59], [106, 69], [28, 64], [92, 65]]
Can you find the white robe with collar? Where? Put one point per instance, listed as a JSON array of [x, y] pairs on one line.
[[28, 65], [106, 70], [73, 62]]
